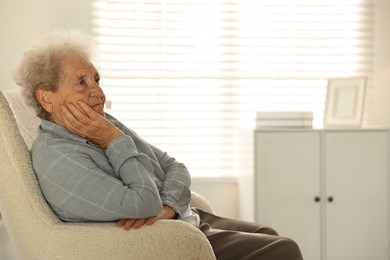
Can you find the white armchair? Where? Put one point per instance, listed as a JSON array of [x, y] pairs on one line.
[[37, 233]]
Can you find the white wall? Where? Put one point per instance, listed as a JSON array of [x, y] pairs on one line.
[[23, 20], [380, 100]]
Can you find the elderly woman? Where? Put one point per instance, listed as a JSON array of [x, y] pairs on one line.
[[91, 167]]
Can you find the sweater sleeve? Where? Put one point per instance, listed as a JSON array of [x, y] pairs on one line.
[[79, 190], [175, 191], [175, 188]]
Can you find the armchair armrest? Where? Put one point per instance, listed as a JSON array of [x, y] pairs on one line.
[[166, 239]]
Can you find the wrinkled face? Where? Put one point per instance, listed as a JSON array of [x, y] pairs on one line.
[[79, 80]]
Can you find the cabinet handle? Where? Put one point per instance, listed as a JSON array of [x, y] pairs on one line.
[[317, 199], [330, 199]]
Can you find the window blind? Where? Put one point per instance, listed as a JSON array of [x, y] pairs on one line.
[[187, 75]]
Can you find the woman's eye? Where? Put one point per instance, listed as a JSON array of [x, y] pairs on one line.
[[97, 80], [82, 82]]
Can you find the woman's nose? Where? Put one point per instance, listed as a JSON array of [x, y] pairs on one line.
[[96, 90]]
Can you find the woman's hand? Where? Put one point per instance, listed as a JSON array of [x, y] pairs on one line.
[[83, 121], [166, 213]]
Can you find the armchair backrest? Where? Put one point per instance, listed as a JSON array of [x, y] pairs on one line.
[[20, 195], [25, 116]]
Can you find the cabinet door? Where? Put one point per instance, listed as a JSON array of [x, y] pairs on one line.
[[356, 182], [286, 184]]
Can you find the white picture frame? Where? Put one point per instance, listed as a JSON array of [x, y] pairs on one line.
[[344, 102]]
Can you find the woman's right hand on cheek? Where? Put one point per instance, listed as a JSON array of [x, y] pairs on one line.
[[87, 123]]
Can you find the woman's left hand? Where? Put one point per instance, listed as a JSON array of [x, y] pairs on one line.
[[166, 213]]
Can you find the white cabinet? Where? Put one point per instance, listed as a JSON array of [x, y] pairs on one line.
[[326, 189]]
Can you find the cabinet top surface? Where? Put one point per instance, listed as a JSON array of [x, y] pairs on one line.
[[264, 130]]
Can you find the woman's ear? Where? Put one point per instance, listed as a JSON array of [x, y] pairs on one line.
[[45, 98]]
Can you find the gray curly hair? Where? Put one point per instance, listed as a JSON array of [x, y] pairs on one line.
[[39, 67]]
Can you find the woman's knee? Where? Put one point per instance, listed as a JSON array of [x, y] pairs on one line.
[[290, 248]]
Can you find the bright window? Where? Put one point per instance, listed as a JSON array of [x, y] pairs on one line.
[[187, 75]]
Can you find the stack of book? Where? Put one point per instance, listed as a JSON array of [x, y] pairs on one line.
[[284, 120]]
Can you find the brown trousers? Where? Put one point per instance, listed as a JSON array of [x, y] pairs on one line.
[[241, 240]]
